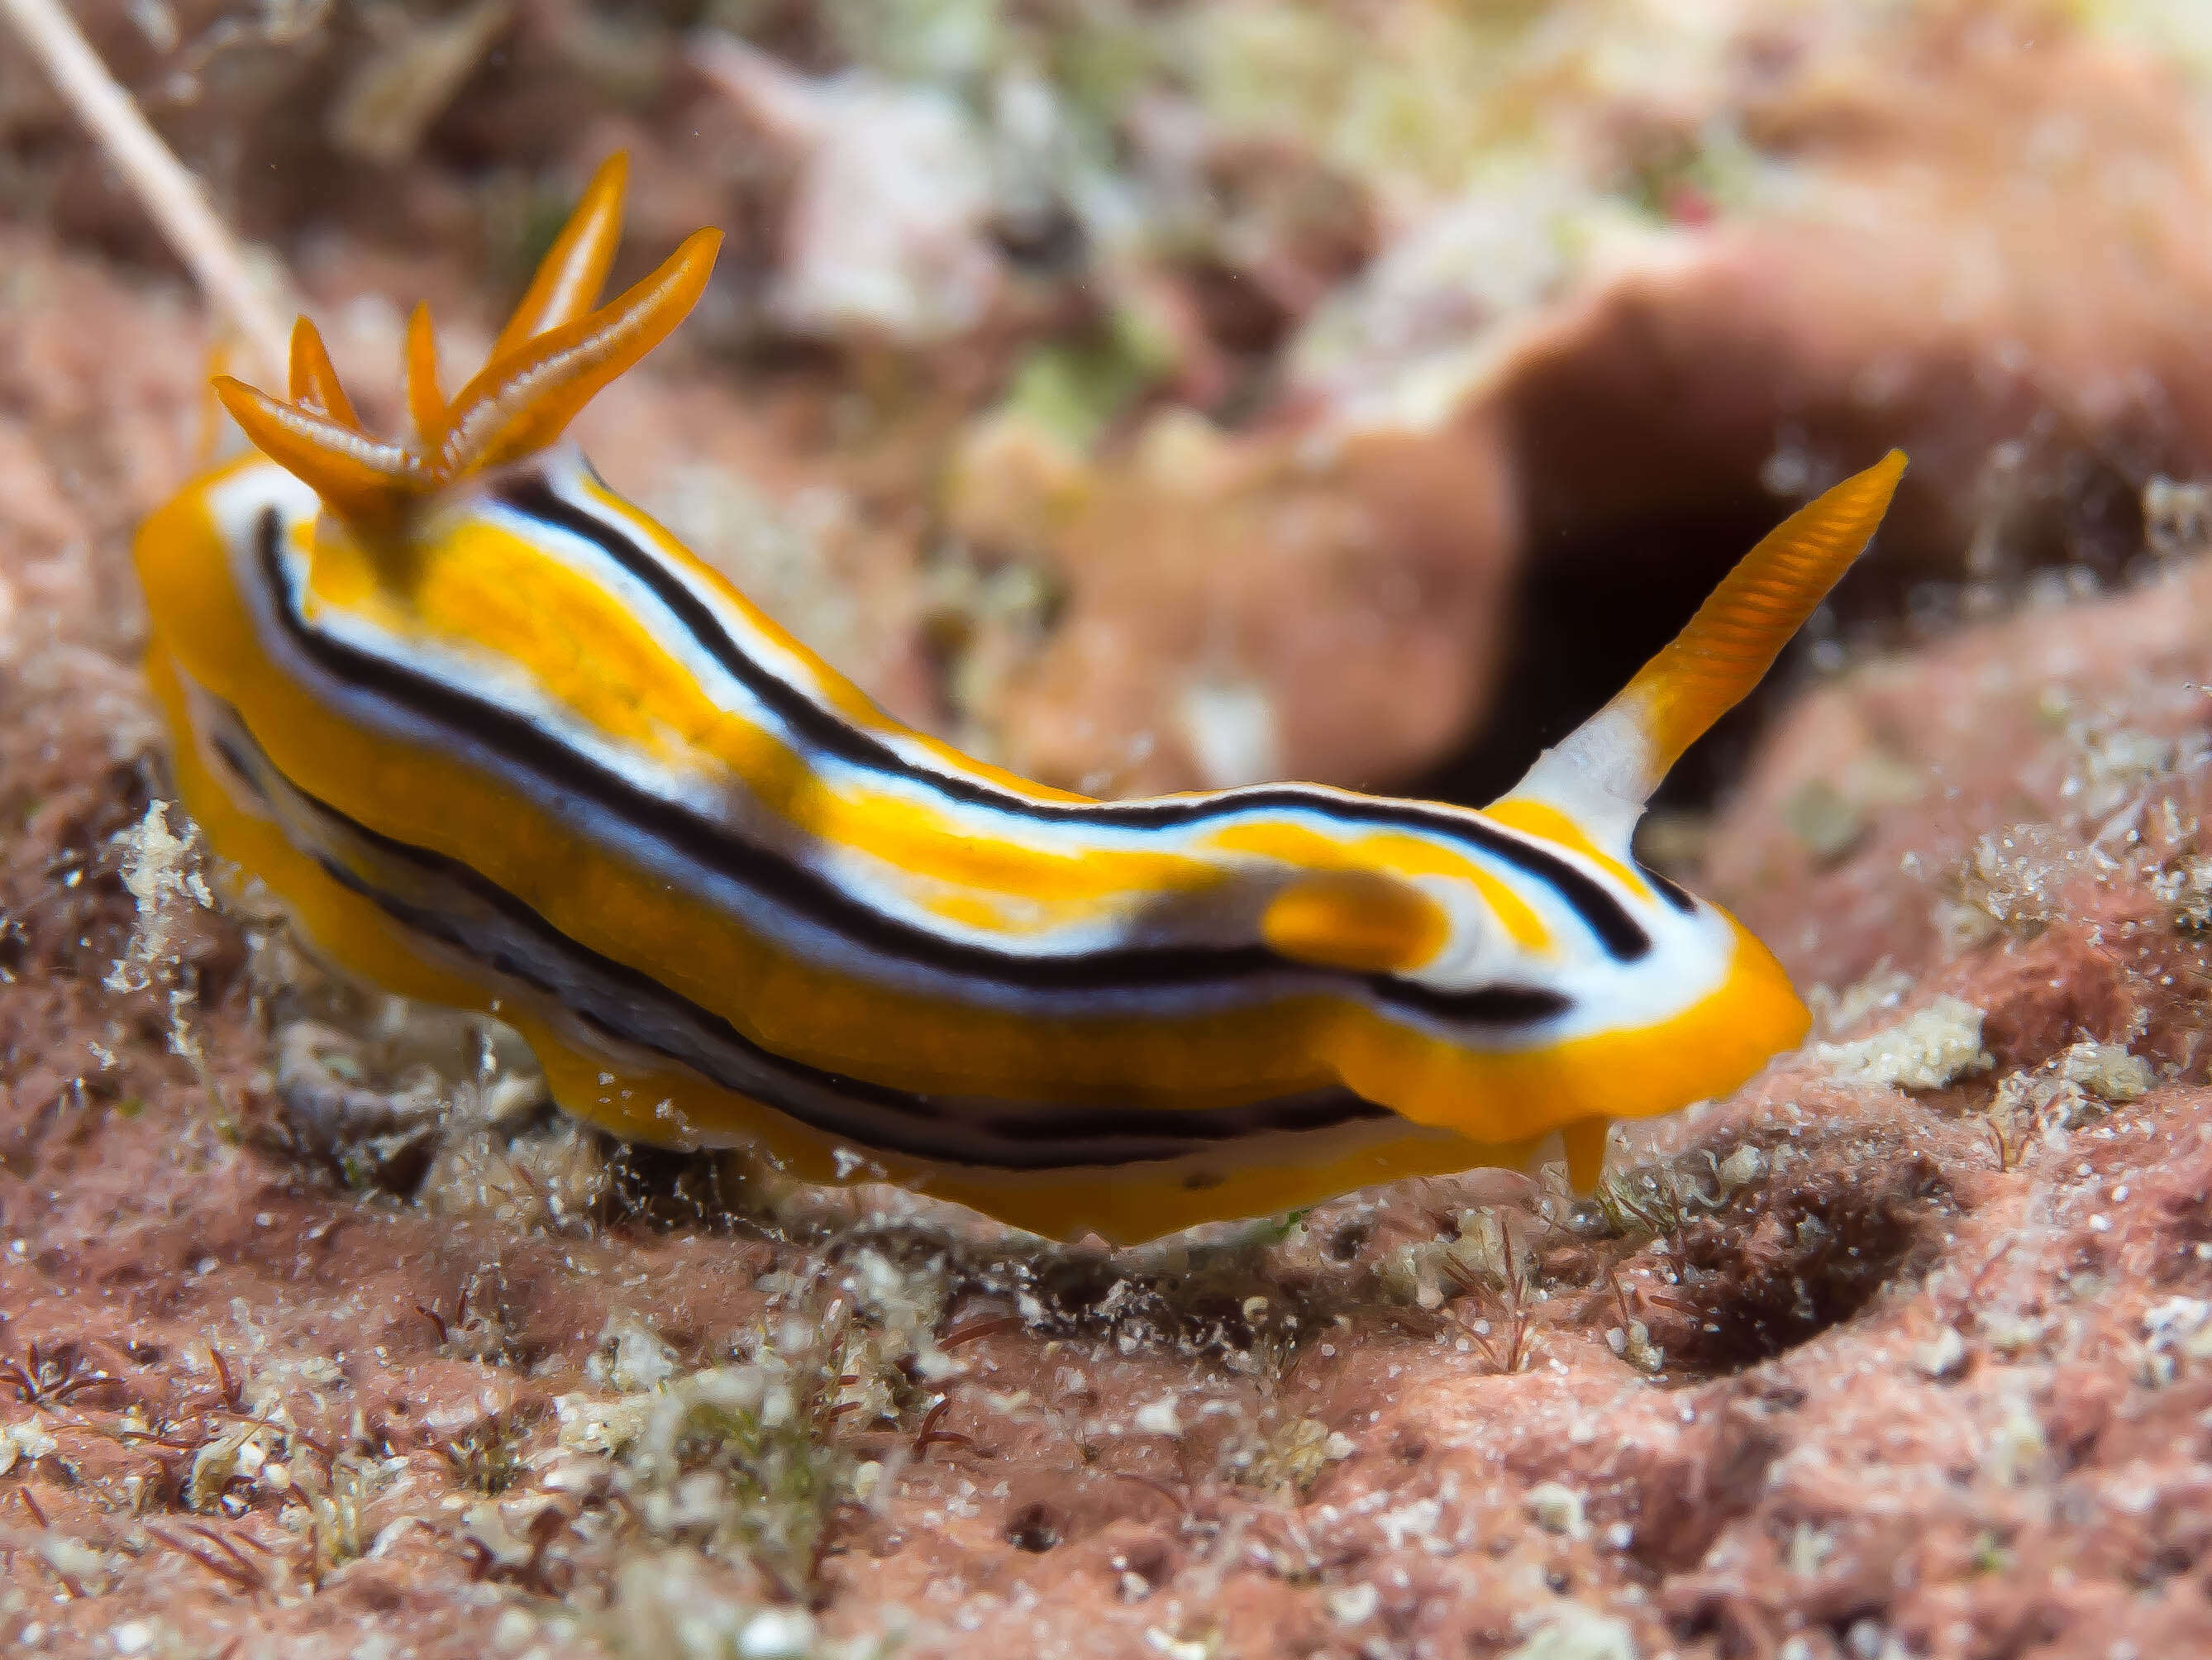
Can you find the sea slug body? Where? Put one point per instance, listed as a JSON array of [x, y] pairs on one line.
[[499, 740]]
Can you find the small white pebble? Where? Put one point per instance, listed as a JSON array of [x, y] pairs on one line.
[[131, 1637], [513, 1628], [777, 1634], [1353, 1605], [1557, 1509], [1942, 1355], [1742, 1167], [1568, 1631]]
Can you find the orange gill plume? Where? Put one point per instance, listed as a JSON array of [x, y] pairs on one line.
[[553, 356]]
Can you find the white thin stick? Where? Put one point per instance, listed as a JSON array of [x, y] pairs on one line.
[[171, 194]]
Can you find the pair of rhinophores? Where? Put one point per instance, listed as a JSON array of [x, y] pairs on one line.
[[500, 742]]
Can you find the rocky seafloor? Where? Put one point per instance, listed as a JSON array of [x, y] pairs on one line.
[[320, 1333]]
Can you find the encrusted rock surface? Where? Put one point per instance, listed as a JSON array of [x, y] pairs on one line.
[[1906, 1349], [319, 1334]]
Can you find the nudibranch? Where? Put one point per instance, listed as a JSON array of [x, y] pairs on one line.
[[499, 741]]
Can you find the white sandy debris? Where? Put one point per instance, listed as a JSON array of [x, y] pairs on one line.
[[2180, 1325], [2017, 1448], [26, 1439], [1557, 1508], [2177, 517], [677, 1606], [1742, 1168], [161, 870], [2107, 1071], [1571, 1631], [777, 1634], [640, 1361], [1929, 1049], [593, 1423], [1160, 1417], [2080, 1082], [1884, 987], [1943, 1355], [1353, 1605]]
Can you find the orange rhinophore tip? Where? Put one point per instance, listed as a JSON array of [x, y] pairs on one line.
[[559, 348]]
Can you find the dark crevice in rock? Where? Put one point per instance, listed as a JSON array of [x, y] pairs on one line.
[[1792, 1259]]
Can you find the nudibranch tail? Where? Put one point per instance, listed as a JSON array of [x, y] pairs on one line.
[[1731, 642], [555, 354], [1608, 769]]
